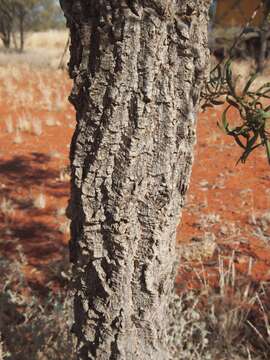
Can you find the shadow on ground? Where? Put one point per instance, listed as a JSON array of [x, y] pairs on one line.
[[34, 231]]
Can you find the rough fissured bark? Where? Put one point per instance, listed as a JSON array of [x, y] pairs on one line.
[[138, 67]]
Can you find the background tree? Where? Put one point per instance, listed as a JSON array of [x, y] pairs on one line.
[[46, 15], [16, 11], [21, 9], [19, 16], [138, 68], [6, 21], [264, 36]]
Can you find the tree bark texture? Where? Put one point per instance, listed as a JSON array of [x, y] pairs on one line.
[[138, 67]]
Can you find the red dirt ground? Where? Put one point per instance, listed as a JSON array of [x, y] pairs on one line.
[[226, 203]]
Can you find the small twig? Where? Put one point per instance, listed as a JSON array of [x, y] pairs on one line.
[[61, 63]]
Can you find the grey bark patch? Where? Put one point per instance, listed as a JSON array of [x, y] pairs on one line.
[[137, 78]]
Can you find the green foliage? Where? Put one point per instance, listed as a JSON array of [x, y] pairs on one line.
[[253, 132]]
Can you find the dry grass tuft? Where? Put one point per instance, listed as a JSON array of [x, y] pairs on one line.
[[40, 201], [23, 123], [64, 227], [18, 139], [34, 326], [227, 321], [7, 207], [37, 127], [64, 174], [9, 125], [51, 121]]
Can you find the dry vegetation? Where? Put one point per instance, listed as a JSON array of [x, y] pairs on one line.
[[35, 311], [225, 317], [223, 303], [42, 50], [34, 327]]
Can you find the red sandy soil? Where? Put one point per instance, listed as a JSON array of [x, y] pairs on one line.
[[35, 166], [228, 202], [225, 201]]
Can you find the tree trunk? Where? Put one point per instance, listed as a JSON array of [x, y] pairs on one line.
[[264, 38], [6, 41], [5, 30], [137, 72], [21, 30]]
